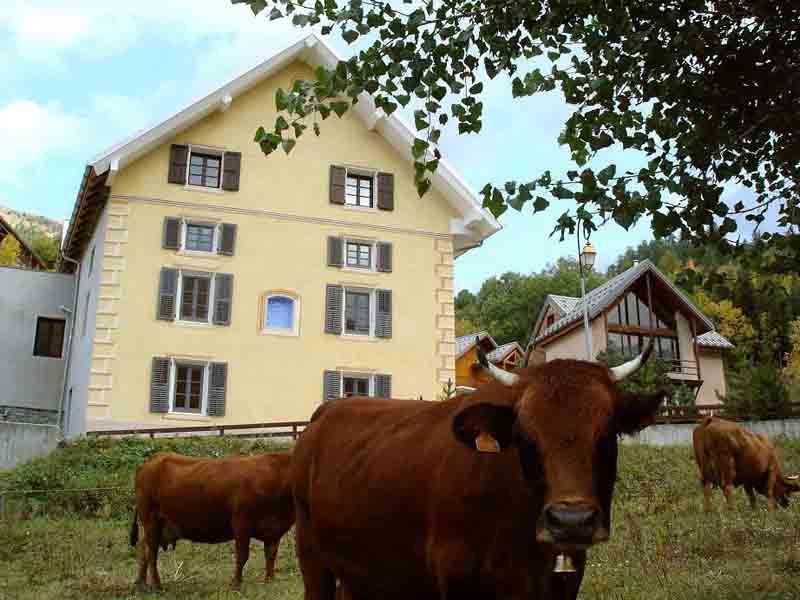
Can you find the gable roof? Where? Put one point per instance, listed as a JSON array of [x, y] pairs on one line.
[[602, 297], [473, 225], [465, 343], [713, 339], [500, 353], [565, 303], [27, 253]]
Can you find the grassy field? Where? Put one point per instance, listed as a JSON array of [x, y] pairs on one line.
[[71, 546]]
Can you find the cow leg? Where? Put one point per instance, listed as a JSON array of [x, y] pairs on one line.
[[319, 582], [707, 489], [728, 491], [143, 558], [270, 556], [771, 480], [728, 477], [751, 494], [242, 554]]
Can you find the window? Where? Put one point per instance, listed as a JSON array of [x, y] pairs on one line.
[[550, 320], [195, 291], [49, 338], [359, 255], [359, 190], [91, 260], [665, 348], [357, 313], [632, 311], [204, 170], [199, 238], [85, 326], [189, 387], [355, 386]]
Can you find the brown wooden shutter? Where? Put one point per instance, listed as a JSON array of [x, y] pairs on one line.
[[383, 386], [231, 171], [171, 238], [335, 251], [338, 180], [386, 191], [227, 240], [167, 294], [217, 389], [223, 298], [384, 262], [334, 304], [383, 313], [331, 385], [159, 385], [178, 159]]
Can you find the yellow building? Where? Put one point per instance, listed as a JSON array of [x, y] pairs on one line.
[[216, 285]]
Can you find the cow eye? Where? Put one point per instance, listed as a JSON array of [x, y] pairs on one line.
[[529, 457]]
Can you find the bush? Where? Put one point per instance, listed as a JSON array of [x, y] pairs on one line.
[[757, 391]]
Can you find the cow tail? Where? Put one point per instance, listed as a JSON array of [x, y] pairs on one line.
[[134, 537]]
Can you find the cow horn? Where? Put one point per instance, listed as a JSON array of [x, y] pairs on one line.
[[629, 368], [794, 478], [497, 373]]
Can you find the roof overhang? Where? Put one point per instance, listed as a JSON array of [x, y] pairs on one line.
[[469, 229]]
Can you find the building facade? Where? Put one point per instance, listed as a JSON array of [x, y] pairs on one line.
[[220, 286], [636, 305]]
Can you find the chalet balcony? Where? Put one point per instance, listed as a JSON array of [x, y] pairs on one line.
[[684, 371]]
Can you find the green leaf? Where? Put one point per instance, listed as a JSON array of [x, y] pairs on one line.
[[281, 100], [339, 108], [350, 36], [606, 174], [419, 148], [288, 144], [281, 124], [540, 204]]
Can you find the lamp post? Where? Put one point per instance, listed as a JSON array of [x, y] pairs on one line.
[[586, 259]]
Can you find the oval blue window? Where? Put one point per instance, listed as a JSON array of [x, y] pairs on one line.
[[280, 312]]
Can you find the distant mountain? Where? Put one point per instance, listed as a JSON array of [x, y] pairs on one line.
[[26, 221]]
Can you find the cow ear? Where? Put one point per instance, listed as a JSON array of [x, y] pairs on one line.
[[485, 427], [634, 412]]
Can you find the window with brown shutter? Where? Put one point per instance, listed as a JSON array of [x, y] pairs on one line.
[[338, 176], [386, 191], [233, 167], [178, 160], [49, 338]]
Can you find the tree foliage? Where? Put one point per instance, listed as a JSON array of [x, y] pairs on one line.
[[45, 245], [9, 251], [704, 92]]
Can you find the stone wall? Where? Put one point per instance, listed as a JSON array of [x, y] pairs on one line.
[[24, 414], [681, 434], [21, 442]]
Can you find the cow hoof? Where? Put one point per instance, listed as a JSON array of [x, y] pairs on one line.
[[140, 587]]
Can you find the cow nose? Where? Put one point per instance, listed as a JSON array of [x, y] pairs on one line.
[[571, 523]]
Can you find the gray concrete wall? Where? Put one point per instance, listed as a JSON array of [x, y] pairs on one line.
[[21, 442], [27, 380], [681, 435], [79, 377]]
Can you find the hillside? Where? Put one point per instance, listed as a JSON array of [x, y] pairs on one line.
[[23, 222]]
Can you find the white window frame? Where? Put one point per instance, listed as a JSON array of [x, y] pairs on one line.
[[173, 381], [373, 174], [372, 308], [294, 331], [370, 377], [373, 264], [211, 151], [179, 297], [215, 241]]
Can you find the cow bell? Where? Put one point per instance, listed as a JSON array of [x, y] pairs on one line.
[[564, 564]]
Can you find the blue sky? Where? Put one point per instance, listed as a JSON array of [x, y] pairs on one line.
[[79, 75]]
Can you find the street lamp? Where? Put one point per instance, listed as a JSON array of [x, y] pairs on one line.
[[586, 259]]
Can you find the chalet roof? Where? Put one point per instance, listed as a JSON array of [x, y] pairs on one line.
[[474, 225], [602, 297], [565, 303], [499, 353], [465, 342], [6, 229], [713, 339]]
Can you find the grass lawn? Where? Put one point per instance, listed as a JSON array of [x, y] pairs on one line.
[[662, 545]]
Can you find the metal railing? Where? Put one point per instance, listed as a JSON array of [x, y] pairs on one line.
[[686, 368], [283, 429]]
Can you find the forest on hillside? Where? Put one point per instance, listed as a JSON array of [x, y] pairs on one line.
[[42, 235], [759, 313]]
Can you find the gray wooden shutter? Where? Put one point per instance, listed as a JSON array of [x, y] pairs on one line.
[[331, 385], [223, 298], [335, 251], [384, 262], [338, 179], [171, 237], [383, 313], [227, 239], [231, 171], [383, 386], [386, 191], [178, 159], [217, 389], [159, 385], [334, 300], [167, 294]]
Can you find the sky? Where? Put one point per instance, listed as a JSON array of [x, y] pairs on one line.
[[79, 75]]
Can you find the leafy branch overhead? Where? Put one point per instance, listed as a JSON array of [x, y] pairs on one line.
[[706, 92]]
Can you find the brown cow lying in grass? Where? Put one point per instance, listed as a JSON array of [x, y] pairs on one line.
[[729, 455], [211, 501]]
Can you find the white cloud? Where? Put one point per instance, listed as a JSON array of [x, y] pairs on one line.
[[32, 131]]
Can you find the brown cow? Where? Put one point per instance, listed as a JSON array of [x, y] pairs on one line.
[[728, 455], [470, 498], [212, 501]]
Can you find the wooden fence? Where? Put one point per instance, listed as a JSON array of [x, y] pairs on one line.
[[291, 429]]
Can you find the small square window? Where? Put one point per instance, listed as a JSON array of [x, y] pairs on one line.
[[355, 386], [204, 170], [357, 313], [280, 313], [199, 238], [49, 340], [195, 291], [189, 384], [359, 190], [359, 255]]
